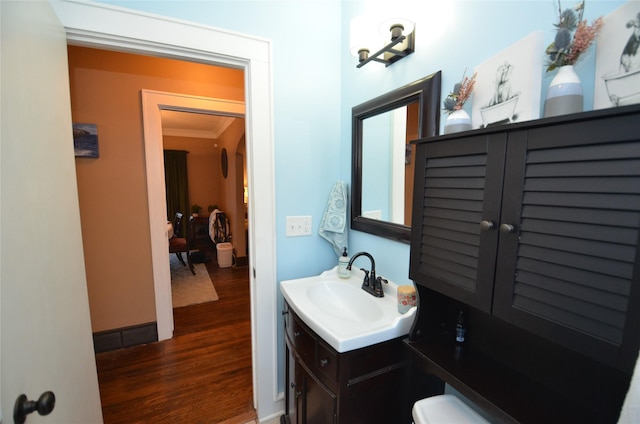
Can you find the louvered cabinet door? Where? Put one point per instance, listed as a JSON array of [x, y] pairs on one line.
[[458, 187], [568, 270]]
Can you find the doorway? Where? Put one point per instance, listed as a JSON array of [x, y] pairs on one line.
[[102, 26], [208, 137], [200, 138], [153, 103]]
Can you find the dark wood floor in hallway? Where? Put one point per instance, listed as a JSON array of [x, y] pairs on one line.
[[202, 375]]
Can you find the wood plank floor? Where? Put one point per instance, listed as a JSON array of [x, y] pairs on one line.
[[202, 375]]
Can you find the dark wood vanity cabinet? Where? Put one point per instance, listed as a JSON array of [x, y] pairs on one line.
[[538, 225], [361, 386]]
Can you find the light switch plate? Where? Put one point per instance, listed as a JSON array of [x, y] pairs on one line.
[[298, 226]]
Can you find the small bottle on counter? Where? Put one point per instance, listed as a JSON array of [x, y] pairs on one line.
[[343, 261], [460, 328]]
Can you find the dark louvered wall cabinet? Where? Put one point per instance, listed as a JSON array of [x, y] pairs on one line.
[[537, 224]]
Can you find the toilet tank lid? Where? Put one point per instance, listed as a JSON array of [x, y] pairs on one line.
[[445, 409]]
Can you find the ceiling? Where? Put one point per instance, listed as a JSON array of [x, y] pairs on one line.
[[192, 124]]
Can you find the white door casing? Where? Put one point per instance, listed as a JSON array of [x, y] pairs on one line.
[[153, 102], [112, 28], [44, 314]]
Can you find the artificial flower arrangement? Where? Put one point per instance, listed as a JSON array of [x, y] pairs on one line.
[[566, 49], [460, 94]]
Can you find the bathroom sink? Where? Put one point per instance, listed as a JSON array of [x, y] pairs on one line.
[[344, 315]]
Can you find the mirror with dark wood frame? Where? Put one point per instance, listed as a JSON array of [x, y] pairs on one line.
[[383, 159]]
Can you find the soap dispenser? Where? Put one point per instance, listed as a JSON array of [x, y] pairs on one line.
[[343, 261]]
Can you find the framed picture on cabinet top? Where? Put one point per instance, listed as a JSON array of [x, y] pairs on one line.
[[617, 79], [508, 84]]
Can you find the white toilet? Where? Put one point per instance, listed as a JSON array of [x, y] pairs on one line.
[[444, 409]]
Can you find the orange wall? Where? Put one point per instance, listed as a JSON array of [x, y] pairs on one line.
[[105, 90], [232, 194]]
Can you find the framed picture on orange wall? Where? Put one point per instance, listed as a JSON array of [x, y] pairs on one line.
[[85, 140]]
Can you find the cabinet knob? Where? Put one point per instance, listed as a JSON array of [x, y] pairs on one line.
[[487, 225], [507, 228], [296, 334], [324, 362]]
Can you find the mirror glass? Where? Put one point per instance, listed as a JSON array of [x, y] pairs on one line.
[[383, 158]]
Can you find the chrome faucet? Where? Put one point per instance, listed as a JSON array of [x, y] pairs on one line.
[[371, 284]]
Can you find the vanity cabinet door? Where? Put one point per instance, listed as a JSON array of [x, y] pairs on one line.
[[291, 390], [456, 211], [308, 400], [317, 404]]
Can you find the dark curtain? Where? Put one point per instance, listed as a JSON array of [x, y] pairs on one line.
[[177, 186]]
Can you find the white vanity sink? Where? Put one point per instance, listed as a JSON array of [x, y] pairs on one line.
[[344, 315]]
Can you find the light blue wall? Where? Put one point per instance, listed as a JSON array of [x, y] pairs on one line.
[[451, 36], [316, 83], [306, 56]]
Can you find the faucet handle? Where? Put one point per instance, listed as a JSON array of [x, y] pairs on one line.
[[377, 286], [366, 275], [379, 281]]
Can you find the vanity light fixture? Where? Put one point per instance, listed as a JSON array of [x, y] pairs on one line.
[[401, 44]]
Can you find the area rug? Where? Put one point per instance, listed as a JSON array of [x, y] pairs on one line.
[[188, 289]]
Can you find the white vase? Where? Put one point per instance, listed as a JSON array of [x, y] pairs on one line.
[[457, 121], [564, 94]]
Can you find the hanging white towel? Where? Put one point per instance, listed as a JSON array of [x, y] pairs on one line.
[[333, 226], [212, 224]]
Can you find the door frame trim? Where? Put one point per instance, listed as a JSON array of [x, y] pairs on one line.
[[153, 102], [114, 28]]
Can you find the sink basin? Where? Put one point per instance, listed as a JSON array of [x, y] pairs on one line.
[[344, 315], [344, 302]]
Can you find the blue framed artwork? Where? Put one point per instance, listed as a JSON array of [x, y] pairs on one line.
[[85, 140]]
